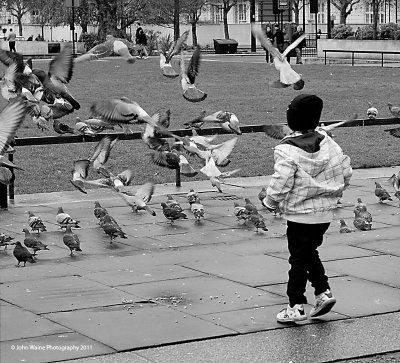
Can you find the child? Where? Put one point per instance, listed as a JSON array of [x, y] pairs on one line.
[[310, 175], [287, 76]]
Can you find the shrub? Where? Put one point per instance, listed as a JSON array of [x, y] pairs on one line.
[[152, 40], [364, 32], [90, 40], [397, 35], [342, 31], [388, 30]]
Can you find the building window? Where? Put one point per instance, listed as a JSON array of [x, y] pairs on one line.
[[216, 13], [35, 17], [369, 14], [321, 12], [241, 13]]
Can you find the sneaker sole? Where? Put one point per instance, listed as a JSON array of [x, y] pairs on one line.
[[325, 308], [292, 320]]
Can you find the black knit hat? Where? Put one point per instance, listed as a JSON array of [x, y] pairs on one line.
[[304, 112]]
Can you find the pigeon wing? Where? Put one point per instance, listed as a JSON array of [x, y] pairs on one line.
[[277, 131], [145, 192], [61, 67]]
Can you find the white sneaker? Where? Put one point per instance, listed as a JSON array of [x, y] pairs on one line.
[[323, 304], [291, 315], [146, 57]]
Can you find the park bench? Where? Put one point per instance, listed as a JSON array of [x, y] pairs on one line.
[[353, 52], [7, 192]]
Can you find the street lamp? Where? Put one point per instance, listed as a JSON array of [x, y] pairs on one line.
[[72, 4]]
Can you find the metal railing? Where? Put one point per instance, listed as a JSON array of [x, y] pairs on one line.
[[58, 140], [353, 52]]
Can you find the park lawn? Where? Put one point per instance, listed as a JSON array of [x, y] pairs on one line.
[[234, 85]]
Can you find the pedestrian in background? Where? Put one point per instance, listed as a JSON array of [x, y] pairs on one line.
[[141, 40], [270, 35], [299, 49], [12, 37], [279, 38], [311, 172]]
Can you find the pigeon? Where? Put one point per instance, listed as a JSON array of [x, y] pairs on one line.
[[71, 240], [60, 108], [139, 200], [171, 213], [167, 50], [226, 120], [197, 122], [59, 75], [382, 193], [363, 213], [191, 196], [172, 203], [394, 132], [185, 168], [197, 209], [250, 207], [79, 174], [6, 175], [64, 219], [188, 76], [98, 211], [362, 224], [33, 243], [257, 220], [4, 239], [344, 228], [102, 152], [111, 228], [362, 218], [36, 223], [360, 206], [62, 128], [202, 140], [22, 254], [111, 45], [83, 128], [96, 125], [395, 181], [372, 112], [240, 212], [394, 110], [168, 159], [262, 194]]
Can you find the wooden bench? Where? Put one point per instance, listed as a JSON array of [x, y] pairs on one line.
[[359, 52]]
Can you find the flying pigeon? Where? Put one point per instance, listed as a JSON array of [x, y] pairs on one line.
[[111, 228], [171, 213], [344, 228], [191, 196], [185, 168], [22, 254], [139, 200], [188, 77], [79, 174], [197, 209], [165, 158], [167, 50], [394, 110], [111, 45], [394, 132], [71, 240], [381, 193], [36, 223], [4, 239], [64, 219], [102, 152], [226, 120], [33, 243]]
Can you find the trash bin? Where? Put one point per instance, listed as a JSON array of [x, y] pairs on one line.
[[225, 46], [53, 48]]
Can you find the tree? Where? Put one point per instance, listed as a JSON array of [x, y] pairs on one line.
[[375, 5], [226, 7], [51, 12], [345, 8], [193, 9], [18, 9], [84, 14]]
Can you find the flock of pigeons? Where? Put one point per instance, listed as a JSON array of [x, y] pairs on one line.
[[44, 96]]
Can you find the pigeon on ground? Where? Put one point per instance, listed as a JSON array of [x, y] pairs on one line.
[[395, 181], [167, 50], [22, 254], [172, 214], [362, 218], [83, 128], [36, 223], [250, 207], [362, 224], [4, 239], [394, 132], [240, 212], [111, 228], [196, 123], [96, 125], [173, 203], [191, 196], [71, 240], [372, 112], [188, 77], [257, 220], [382, 193], [62, 128], [33, 243], [394, 110], [111, 45], [79, 174], [64, 219], [344, 228], [197, 209], [98, 211], [139, 200], [262, 194]]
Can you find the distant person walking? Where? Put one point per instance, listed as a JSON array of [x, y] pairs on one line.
[[270, 35], [279, 38], [299, 49], [12, 37], [141, 41]]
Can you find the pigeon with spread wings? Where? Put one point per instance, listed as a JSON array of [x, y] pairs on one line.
[[139, 200], [188, 77], [167, 50]]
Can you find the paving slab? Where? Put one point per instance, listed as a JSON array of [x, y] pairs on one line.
[[17, 323], [142, 326], [51, 348], [389, 247], [60, 294], [203, 294], [355, 297]]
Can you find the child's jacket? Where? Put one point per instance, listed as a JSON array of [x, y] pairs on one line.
[[310, 175]]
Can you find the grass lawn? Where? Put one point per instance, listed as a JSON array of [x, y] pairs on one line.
[[237, 84]]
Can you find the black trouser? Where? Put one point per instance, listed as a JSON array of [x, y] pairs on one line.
[[12, 46], [303, 241]]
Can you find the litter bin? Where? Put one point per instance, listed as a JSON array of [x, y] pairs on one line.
[[225, 46], [54, 48]]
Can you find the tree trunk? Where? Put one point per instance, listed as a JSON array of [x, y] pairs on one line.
[[107, 20], [19, 26], [194, 34], [226, 29], [375, 14], [343, 15]]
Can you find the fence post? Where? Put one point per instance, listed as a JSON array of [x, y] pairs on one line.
[[178, 177], [3, 196], [11, 189]]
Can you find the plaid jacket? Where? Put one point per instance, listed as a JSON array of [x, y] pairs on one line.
[[308, 182]]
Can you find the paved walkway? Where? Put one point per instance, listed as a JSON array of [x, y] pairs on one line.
[[187, 292]]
